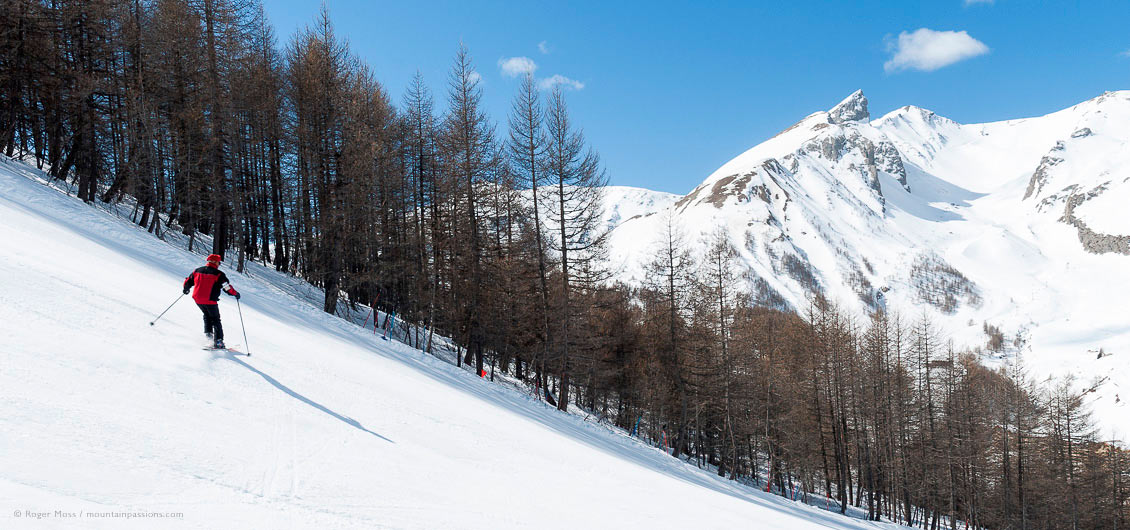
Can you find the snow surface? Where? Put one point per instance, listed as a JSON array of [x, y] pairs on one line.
[[826, 192], [325, 426]]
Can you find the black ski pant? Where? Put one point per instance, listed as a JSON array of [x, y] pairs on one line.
[[212, 320]]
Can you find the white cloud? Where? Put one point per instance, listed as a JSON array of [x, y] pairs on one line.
[[558, 79], [475, 77], [1124, 54], [928, 50], [974, 2], [543, 47], [516, 66]]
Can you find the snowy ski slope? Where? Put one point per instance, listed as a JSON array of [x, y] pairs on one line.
[[324, 426]]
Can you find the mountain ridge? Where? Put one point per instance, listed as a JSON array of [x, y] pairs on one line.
[[1007, 223]]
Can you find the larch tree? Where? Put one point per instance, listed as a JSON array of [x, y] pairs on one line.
[[470, 156], [526, 147], [669, 274], [575, 186]]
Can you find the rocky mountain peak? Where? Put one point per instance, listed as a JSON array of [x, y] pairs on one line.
[[852, 108]]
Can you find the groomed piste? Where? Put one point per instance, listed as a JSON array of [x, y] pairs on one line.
[[111, 423]]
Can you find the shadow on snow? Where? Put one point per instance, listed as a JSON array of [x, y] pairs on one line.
[[275, 382]]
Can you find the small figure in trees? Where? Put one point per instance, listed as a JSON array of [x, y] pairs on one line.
[[206, 283]]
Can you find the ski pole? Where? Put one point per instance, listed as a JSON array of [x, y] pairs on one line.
[[241, 326], [166, 310]]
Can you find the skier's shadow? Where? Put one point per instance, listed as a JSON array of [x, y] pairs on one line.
[[274, 382]]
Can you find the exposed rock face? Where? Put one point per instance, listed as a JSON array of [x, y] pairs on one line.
[[883, 156], [1097, 243], [731, 186], [887, 159], [834, 147], [1085, 131], [854, 108], [1092, 241], [1040, 176], [830, 147], [872, 171]]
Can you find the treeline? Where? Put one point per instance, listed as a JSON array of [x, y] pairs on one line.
[[297, 157], [881, 414]]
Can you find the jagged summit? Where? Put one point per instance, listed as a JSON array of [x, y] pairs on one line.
[[852, 108]]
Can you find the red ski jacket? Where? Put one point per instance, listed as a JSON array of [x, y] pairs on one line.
[[206, 283]]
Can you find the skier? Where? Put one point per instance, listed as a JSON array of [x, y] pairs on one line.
[[206, 283]]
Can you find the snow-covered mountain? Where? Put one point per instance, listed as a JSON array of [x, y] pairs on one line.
[[1018, 224], [110, 423], [624, 203]]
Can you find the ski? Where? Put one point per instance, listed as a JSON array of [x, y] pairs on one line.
[[228, 349]]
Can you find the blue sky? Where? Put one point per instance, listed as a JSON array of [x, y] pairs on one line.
[[672, 90]]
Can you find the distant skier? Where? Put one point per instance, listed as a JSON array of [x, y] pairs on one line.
[[206, 283]]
